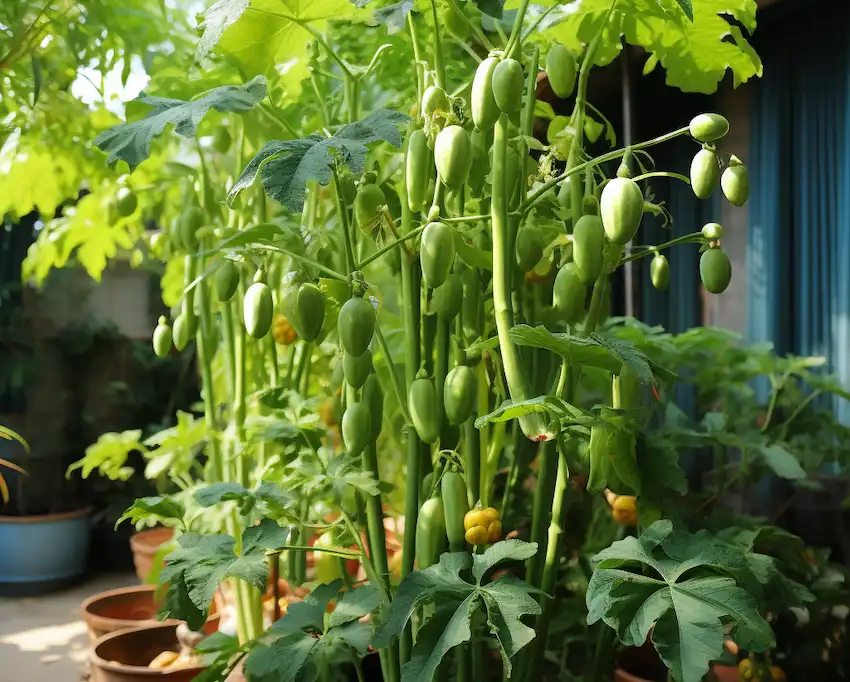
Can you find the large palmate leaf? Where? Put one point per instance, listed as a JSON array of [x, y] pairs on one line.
[[194, 571], [685, 589], [596, 350], [304, 641], [271, 500], [131, 142], [505, 601], [83, 232], [695, 42], [285, 167], [263, 34]]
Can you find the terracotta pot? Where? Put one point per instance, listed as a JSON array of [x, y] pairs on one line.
[[124, 656], [129, 607], [145, 544]]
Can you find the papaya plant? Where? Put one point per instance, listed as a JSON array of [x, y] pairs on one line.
[[372, 253]]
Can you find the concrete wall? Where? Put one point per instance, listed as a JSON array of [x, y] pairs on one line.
[[730, 309]]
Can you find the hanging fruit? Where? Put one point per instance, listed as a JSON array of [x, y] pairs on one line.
[[356, 325], [258, 307], [162, 338]]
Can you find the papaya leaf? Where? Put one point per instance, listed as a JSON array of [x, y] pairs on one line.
[[597, 350], [262, 34], [394, 16], [685, 589], [696, 43], [285, 166], [304, 639], [781, 462], [687, 8], [131, 142], [505, 602], [203, 562], [273, 500], [548, 404], [156, 509]]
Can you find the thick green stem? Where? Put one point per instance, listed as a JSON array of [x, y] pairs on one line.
[[471, 462], [344, 220], [516, 31], [395, 379], [542, 504], [410, 303], [439, 66], [531, 424], [553, 557], [417, 58], [441, 367]]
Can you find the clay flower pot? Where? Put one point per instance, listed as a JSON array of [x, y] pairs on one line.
[[129, 607], [145, 544], [124, 656]]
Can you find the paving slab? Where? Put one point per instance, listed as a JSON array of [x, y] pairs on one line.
[[43, 639]]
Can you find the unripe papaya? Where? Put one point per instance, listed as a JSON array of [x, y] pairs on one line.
[[508, 83], [569, 294], [430, 532], [529, 248], [190, 222], [715, 270], [455, 508], [588, 248], [659, 272], [372, 395], [419, 164], [448, 297], [368, 205], [705, 173], [708, 127], [162, 338], [180, 332], [436, 253], [422, 404], [357, 368], [355, 325], [459, 394], [735, 183], [561, 70], [621, 209], [356, 428], [226, 280], [258, 309], [311, 311], [453, 156], [485, 111]]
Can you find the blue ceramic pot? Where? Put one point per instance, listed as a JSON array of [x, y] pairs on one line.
[[42, 553]]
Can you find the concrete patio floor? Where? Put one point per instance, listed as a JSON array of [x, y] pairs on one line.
[[43, 639]]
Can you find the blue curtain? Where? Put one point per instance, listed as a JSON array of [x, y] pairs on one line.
[[798, 261]]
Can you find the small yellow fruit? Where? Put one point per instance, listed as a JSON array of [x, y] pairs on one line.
[[491, 514], [163, 660], [624, 510], [283, 332], [477, 535]]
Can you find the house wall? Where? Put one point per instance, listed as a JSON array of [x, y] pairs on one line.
[[730, 309]]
